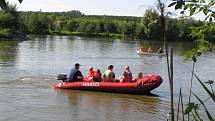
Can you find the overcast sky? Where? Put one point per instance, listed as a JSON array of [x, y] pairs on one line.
[[93, 7], [89, 7]]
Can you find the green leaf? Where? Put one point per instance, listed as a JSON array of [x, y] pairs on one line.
[[185, 7], [173, 3], [205, 108], [199, 52], [179, 4], [188, 54], [213, 15], [192, 11], [202, 1], [189, 108], [209, 82], [211, 3], [182, 12], [194, 59], [205, 11], [206, 89]]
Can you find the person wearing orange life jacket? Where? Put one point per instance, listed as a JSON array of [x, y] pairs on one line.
[[140, 76], [91, 74], [141, 49], [149, 50], [139, 79], [127, 75]]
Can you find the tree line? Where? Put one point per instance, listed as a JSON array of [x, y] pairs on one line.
[[76, 23]]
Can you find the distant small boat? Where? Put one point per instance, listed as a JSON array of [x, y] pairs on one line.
[[150, 54]]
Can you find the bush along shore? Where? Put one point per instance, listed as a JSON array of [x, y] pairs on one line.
[[75, 23]]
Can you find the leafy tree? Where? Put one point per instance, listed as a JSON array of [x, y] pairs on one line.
[[87, 27], [150, 21], [110, 27], [129, 29], [100, 27], [72, 25], [4, 5], [39, 24], [140, 33], [7, 20]]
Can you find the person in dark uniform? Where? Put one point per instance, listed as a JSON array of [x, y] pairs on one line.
[[75, 74]]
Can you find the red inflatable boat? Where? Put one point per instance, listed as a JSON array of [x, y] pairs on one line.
[[142, 86]]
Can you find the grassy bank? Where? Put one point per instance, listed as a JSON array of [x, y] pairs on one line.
[[6, 33]]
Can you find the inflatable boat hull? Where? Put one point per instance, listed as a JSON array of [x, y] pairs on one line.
[[142, 87]]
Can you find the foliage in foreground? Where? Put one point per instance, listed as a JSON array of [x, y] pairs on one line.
[[203, 36]]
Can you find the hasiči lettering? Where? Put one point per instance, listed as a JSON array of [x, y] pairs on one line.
[[91, 84]]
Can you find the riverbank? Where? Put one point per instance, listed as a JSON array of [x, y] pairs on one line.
[[82, 34], [7, 34]]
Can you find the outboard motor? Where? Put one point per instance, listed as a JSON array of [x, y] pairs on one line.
[[62, 77]]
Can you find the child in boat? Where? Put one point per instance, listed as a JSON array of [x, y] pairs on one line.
[[98, 76], [149, 50], [127, 75]]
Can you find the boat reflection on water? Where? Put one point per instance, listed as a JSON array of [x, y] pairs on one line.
[[104, 106]]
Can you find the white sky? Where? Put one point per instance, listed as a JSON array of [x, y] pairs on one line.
[[93, 7]]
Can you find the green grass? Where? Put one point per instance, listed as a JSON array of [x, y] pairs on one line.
[[6, 33]]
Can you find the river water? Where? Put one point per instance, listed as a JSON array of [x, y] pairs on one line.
[[28, 70]]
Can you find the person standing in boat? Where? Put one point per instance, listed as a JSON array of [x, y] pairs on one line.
[[127, 75], [109, 75], [75, 74]]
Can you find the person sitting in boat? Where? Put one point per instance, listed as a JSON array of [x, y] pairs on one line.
[[109, 75], [127, 75], [98, 76], [140, 76], [160, 51], [91, 73], [139, 79], [75, 74], [149, 50], [141, 49]]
